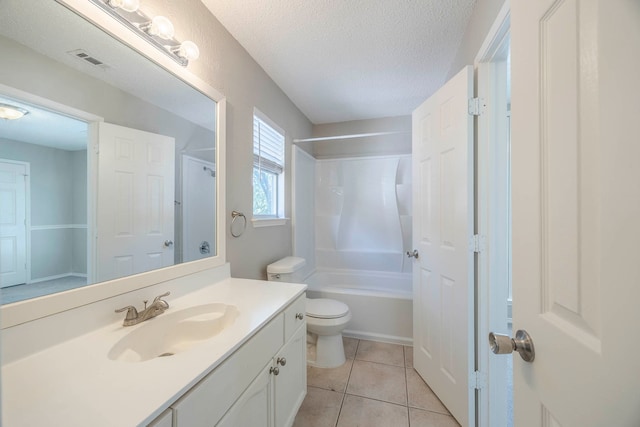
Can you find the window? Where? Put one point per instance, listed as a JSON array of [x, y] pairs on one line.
[[268, 168]]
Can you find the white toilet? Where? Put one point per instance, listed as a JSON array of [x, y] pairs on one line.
[[326, 318]]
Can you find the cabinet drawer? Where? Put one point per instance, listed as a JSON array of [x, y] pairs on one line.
[[206, 403], [292, 316]]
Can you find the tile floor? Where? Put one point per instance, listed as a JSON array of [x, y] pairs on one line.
[[377, 386]]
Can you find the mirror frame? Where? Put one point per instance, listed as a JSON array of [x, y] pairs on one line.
[[28, 310]]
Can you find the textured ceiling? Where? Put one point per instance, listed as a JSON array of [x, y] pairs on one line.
[[342, 60]]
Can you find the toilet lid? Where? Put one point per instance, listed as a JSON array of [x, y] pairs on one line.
[[324, 308]]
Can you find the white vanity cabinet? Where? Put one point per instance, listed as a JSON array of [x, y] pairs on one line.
[[275, 396], [290, 385], [262, 384]]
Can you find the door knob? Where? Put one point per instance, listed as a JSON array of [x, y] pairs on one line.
[[168, 243], [413, 254], [522, 343]]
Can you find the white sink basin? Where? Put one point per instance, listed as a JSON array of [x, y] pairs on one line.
[[173, 332]]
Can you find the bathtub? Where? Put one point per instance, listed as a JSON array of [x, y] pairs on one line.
[[381, 303]]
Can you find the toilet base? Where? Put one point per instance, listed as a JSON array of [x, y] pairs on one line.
[[327, 349]]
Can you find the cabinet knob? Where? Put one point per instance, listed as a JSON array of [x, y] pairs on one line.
[[299, 316], [274, 371], [281, 361]]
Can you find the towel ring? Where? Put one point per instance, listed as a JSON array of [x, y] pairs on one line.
[[235, 215]]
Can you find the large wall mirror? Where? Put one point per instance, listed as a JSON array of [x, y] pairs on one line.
[[115, 169]]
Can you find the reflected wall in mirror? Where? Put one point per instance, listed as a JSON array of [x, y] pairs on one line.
[[112, 172]]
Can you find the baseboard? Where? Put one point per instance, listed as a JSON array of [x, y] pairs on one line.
[[57, 276], [391, 339]]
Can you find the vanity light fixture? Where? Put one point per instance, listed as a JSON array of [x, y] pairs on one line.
[[159, 26], [187, 49], [11, 112], [158, 31], [128, 5]]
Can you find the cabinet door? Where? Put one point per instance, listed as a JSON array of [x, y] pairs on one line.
[[206, 403], [254, 407], [290, 385]]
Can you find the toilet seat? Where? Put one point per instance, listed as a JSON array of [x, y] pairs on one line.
[[323, 308]]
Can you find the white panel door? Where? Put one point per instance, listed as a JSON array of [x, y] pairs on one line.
[[576, 210], [135, 208], [443, 297], [13, 223]]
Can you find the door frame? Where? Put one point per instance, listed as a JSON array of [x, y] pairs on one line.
[[27, 213], [491, 395], [88, 118]]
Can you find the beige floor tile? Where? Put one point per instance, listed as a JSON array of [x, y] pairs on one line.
[[378, 381], [334, 379], [371, 351], [421, 396], [320, 408], [350, 347], [361, 412], [408, 356], [420, 418]]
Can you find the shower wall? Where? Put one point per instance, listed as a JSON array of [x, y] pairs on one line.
[[363, 213]]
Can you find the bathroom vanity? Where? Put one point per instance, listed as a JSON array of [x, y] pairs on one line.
[[227, 351], [252, 371]]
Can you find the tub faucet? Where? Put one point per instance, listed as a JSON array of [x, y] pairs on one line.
[[157, 307]]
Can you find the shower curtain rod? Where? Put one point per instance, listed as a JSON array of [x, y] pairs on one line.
[[357, 135]]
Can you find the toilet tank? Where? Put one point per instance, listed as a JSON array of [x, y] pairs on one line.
[[287, 269]]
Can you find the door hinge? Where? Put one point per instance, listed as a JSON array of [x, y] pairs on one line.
[[477, 243], [476, 106], [478, 380]]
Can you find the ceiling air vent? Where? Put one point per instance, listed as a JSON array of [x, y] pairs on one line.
[[86, 56]]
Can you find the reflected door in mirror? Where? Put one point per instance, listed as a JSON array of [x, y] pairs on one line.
[[135, 208]]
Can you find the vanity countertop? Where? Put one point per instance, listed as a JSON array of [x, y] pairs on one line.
[[74, 383]]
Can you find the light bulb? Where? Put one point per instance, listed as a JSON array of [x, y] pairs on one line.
[[161, 27], [188, 50], [128, 5]]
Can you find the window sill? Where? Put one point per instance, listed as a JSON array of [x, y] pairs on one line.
[[268, 222]]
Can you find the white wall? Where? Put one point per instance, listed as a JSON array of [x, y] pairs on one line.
[[399, 143], [58, 200], [484, 13]]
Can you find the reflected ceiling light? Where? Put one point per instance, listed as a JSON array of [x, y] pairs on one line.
[[158, 31], [128, 5], [11, 112]]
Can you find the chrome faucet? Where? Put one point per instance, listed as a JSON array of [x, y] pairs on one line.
[[157, 307]]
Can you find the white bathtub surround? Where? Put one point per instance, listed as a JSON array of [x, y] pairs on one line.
[[381, 303], [363, 213], [56, 370], [363, 227]]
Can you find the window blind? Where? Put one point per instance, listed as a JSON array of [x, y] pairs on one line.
[[268, 147]]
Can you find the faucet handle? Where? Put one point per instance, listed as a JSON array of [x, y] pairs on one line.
[[161, 296], [132, 313]]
